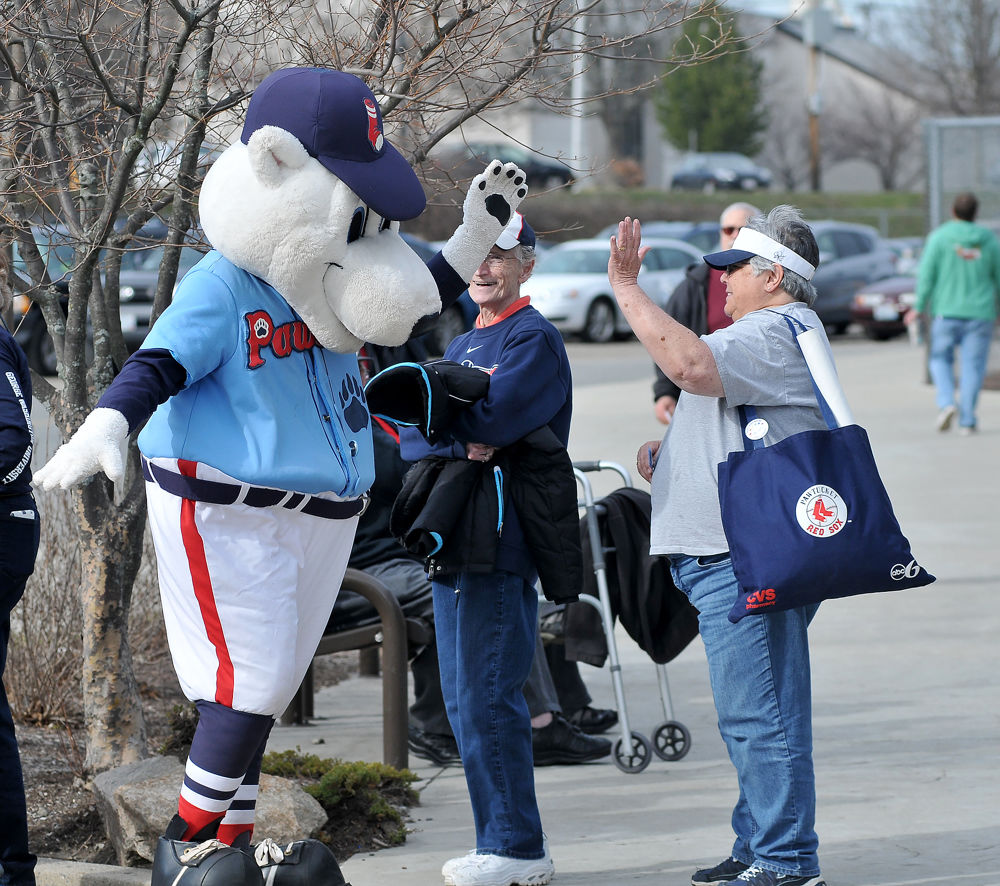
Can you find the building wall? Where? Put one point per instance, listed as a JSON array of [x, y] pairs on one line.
[[787, 85]]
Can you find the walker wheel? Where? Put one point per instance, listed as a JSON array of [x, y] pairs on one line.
[[671, 740], [635, 758]]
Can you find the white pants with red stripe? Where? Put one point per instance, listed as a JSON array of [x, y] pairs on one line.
[[247, 593]]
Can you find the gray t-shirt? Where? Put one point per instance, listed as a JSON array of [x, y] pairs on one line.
[[760, 365]]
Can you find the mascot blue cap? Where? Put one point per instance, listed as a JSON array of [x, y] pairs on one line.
[[339, 122]]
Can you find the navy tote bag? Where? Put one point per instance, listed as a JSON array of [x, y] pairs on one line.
[[808, 518]]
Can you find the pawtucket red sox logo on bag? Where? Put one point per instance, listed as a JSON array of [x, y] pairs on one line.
[[821, 511]]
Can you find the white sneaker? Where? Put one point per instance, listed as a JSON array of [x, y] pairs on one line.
[[945, 417], [498, 870], [452, 863]]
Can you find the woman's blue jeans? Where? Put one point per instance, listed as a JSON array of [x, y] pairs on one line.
[[485, 625], [759, 670], [972, 338]]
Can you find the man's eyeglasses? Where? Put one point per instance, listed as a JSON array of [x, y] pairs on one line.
[[732, 269], [494, 260], [729, 230]]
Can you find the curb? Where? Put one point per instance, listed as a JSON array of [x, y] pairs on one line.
[[62, 872]]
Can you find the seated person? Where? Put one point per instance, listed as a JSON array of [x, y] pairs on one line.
[[554, 739], [570, 688]]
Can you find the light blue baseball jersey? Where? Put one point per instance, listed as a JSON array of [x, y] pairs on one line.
[[263, 401]]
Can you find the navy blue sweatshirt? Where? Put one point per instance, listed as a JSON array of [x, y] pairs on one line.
[[530, 387]]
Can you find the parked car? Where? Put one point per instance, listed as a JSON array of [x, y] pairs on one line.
[[702, 235], [850, 256], [570, 285], [30, 331], [720, 171], [137, 286], [456, 319], [470, 159], [879, 307]]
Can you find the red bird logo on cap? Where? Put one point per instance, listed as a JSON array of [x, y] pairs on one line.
[[375, 137]]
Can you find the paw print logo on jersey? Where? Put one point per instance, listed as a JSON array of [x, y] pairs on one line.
[[262, 327], [351, 402]]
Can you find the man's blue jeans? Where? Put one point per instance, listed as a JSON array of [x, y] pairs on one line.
[[485, 625], [972, 337], [759, 670]]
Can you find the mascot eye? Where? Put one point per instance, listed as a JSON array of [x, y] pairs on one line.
[[357, 227]]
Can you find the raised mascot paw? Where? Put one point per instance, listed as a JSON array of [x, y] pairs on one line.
[[493, 195], [97, 446], [497, 191]]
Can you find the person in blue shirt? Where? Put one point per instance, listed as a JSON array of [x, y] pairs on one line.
[[19, 534], [486, 622]]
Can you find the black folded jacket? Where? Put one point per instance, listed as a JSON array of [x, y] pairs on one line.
[[426, 396]]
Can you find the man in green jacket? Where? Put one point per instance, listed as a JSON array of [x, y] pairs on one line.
[[958, 284]]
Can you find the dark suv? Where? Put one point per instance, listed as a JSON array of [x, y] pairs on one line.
[[850, 256], [710, 172], [543, 173]]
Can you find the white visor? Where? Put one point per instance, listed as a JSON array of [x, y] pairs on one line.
[[760, 244]]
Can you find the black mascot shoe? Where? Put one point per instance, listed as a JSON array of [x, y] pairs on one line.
[[205, 863], [302, 863]]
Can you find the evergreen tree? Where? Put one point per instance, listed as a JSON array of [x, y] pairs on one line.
[[718, 100]]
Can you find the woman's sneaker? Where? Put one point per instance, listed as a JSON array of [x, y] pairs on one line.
[[302, 863], [758, 876], [499, 870], [723, 872]]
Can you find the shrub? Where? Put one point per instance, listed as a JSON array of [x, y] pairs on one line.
[[45, 657], [363, 801]]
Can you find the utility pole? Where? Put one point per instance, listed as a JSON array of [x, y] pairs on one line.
[[816, 30]]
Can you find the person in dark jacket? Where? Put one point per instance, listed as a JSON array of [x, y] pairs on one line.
[[698, 303], [19, 534], [486, 622]]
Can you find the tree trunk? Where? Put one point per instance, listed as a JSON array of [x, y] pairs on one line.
[[111, 549]]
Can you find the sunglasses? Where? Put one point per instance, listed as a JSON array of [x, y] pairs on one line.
[[729, 230]]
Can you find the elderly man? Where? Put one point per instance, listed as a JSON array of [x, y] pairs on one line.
[[486, 621], [699, 303], [759, 668]]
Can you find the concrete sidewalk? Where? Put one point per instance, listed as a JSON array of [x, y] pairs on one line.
[[906, 697]]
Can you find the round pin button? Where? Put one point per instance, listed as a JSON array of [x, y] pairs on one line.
[[756, 429]]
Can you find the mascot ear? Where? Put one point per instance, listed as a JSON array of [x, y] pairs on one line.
[[274, 154]]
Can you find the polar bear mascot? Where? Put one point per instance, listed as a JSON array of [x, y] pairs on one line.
[[256, 445]]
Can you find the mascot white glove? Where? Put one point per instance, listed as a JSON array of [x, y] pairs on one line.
[[493, 195], [99, 445]]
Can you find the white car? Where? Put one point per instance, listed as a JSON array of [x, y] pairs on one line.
[[570, 285]]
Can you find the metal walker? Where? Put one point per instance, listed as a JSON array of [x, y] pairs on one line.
[[671, 739]]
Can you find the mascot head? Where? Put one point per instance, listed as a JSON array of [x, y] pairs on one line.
[[310, 200]]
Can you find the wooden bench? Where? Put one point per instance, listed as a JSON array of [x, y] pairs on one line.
[[393, 634]]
